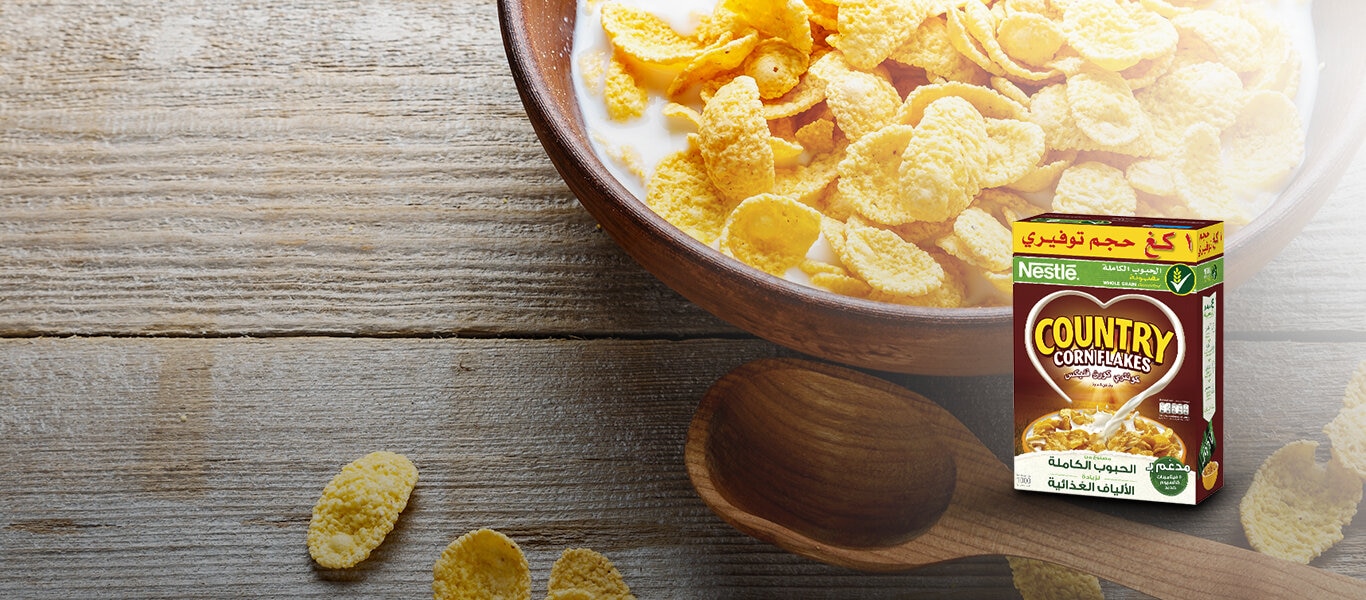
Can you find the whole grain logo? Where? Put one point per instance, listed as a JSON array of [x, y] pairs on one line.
[[1180, 279]]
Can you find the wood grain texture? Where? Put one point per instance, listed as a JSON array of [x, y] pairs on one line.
[[557, 443], [204, 167]]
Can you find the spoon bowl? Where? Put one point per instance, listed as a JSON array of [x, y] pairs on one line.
[[848, 469], [874, 499]]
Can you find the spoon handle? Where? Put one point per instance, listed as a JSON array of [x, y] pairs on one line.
[[1160, 562]]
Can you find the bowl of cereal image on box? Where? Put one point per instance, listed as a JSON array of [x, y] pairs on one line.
[[1079, 429], [840, 180]]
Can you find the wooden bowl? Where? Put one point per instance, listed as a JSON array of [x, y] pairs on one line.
[[538, 36]]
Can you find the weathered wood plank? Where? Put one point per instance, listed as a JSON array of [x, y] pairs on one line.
[[281, 167], [186, 468], [1316, 286]]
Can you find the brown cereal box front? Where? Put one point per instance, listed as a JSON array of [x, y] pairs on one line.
[[1118, 356]]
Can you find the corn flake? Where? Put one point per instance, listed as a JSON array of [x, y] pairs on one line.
[[721, 24], [890, 264], [644, 36], [1050, 109], [824, 14], [818, 136], [1116, 35], [683, 114], [1151, 176], [1047, 8], [1094, 188], [967, 45], [871, 30], [734, 140], [1039, 580], [788, 20], [1030, 38], [981, 24], [785, 152], [1002, 282], [776, 67], [1279, 67], [980, 240], [1188, 95], [1007, 207], [812, 266], [1265, 142], [950, 294], [1165, 8], [1296, 507], [807, 183], [593, 70], [583, 570], [1232, 40], [810, 91], [924, 233], [931, 49], [836, 204], [769, 232], [625, 98], [833, 232], [1011, 90], [481, 565], [723, 55], [1104, 108], [681, 192], [807, 94], [358, 508], [1200, 182], [869, 175], [1045, 175], [861, 102], [842, 284], [1013, 150], [1146, 72], [944, 161], [1348, 429], [1347, 432], [988, 102]]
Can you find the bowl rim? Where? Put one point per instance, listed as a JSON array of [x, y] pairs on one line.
[[1329, 149]]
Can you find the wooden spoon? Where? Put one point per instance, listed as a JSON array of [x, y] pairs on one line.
[[851, 470]]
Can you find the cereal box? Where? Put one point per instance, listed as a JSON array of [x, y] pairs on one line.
[[1118, 363]]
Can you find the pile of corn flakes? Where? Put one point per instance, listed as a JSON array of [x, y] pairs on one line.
[[908, 134], [1066, 431]]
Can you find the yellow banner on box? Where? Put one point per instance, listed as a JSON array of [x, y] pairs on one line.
[[1094, 238]]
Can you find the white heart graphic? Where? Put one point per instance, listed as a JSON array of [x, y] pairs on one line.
[[1132, 403]]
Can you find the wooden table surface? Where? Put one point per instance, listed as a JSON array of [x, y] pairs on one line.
[[243, 243]]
